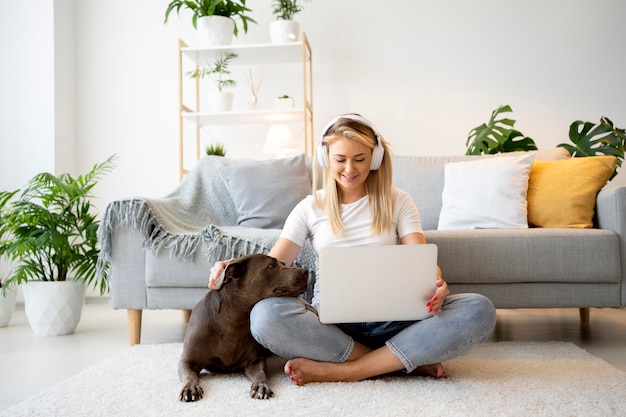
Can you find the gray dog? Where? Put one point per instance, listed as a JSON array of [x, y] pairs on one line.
[[218, 337]]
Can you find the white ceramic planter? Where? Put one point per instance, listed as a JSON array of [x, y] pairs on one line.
[[7, 306], [214, 31], [283, 103], [283, 31], [220, 101], [53, 308]]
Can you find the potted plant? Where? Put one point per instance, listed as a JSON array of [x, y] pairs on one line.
[[498, 136], [214, 19], [216, 148], [591, 139], [284, 102], [588, 138], [222, 100], [48, 231], [284, 28]]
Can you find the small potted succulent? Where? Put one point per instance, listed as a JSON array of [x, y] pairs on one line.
[[221, 100], [48, 233], [284, 102], [214, 19], [284, 28]]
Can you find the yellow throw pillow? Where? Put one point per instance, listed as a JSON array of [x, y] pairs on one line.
[[563, 193]]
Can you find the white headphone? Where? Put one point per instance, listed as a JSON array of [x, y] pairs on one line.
[[377, 153]]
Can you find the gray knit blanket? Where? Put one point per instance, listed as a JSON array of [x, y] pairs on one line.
[[198, 212]]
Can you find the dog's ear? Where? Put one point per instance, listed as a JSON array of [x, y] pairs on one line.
[[233, 270]]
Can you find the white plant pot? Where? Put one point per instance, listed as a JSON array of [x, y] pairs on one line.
[[283, 31], [53, 308], [220, 101], [7, 306], [283, 103], [214, 30]]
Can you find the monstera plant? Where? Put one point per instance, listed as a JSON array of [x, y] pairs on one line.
[[498, 136], [590, 139]]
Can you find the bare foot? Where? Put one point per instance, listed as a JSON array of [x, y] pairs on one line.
[[435, 370], [302, 371]]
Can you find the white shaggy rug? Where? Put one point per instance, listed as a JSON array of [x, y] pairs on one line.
[[503, 379]]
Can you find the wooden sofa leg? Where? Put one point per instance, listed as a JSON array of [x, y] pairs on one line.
[[584, 314], [134, 326], [186, 315]]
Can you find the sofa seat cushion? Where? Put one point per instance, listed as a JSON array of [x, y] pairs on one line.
[[528, 255], [166, 271]]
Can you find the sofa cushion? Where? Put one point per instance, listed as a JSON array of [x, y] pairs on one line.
[[532, 255], [563, 193], [486, 193], [265, 192]]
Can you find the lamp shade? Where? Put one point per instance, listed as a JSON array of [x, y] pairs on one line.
[[280, 141]]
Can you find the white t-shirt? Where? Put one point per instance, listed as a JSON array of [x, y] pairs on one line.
[[307, 221]]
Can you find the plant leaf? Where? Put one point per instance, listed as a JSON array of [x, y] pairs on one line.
[[590, 139], [497, 136]]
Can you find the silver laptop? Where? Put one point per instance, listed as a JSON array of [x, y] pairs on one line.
[[376, 283]]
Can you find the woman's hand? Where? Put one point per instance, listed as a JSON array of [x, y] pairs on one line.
[[216, 271], [436, 303]]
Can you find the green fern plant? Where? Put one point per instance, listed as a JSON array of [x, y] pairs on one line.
[[48, 230], [591, 139], [498, 136], [217, 71]]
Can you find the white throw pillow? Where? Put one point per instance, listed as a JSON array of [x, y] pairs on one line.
[[488, 193]]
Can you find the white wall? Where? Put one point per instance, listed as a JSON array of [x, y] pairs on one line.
[[27, 112], [425, 72]]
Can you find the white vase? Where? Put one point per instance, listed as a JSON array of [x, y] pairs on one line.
[[53, 308], [283, 103], [214, 30], [220, 101], [283, 31], [7, 305]]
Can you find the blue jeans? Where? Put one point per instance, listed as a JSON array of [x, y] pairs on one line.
[[290, 328]]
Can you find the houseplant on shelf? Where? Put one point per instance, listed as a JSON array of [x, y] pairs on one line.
[[215, 149], [222, 100], [48, 231], [284, 28], [214, 20]]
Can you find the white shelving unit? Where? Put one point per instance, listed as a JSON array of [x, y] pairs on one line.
[[275, 54]]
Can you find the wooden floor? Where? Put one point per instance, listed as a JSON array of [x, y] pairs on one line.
[[29, 364]]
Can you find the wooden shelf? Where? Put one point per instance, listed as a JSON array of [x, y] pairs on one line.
[[246, 117], [248, 54], [256, 54]]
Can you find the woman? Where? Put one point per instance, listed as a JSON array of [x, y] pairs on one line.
[[359, 206]]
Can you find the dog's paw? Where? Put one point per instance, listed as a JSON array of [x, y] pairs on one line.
[[191, 392], [261, 391]]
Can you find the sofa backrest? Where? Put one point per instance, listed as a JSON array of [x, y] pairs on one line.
[[423, 178], [420, 176]]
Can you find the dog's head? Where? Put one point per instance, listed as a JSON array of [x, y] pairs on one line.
[[258, 276]]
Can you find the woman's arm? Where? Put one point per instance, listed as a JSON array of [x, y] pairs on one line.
[[284, 250], [436, 303]]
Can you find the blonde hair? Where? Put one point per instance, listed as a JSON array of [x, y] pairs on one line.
[[378, 184]]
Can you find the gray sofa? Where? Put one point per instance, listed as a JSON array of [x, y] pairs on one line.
[[160, 250]]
